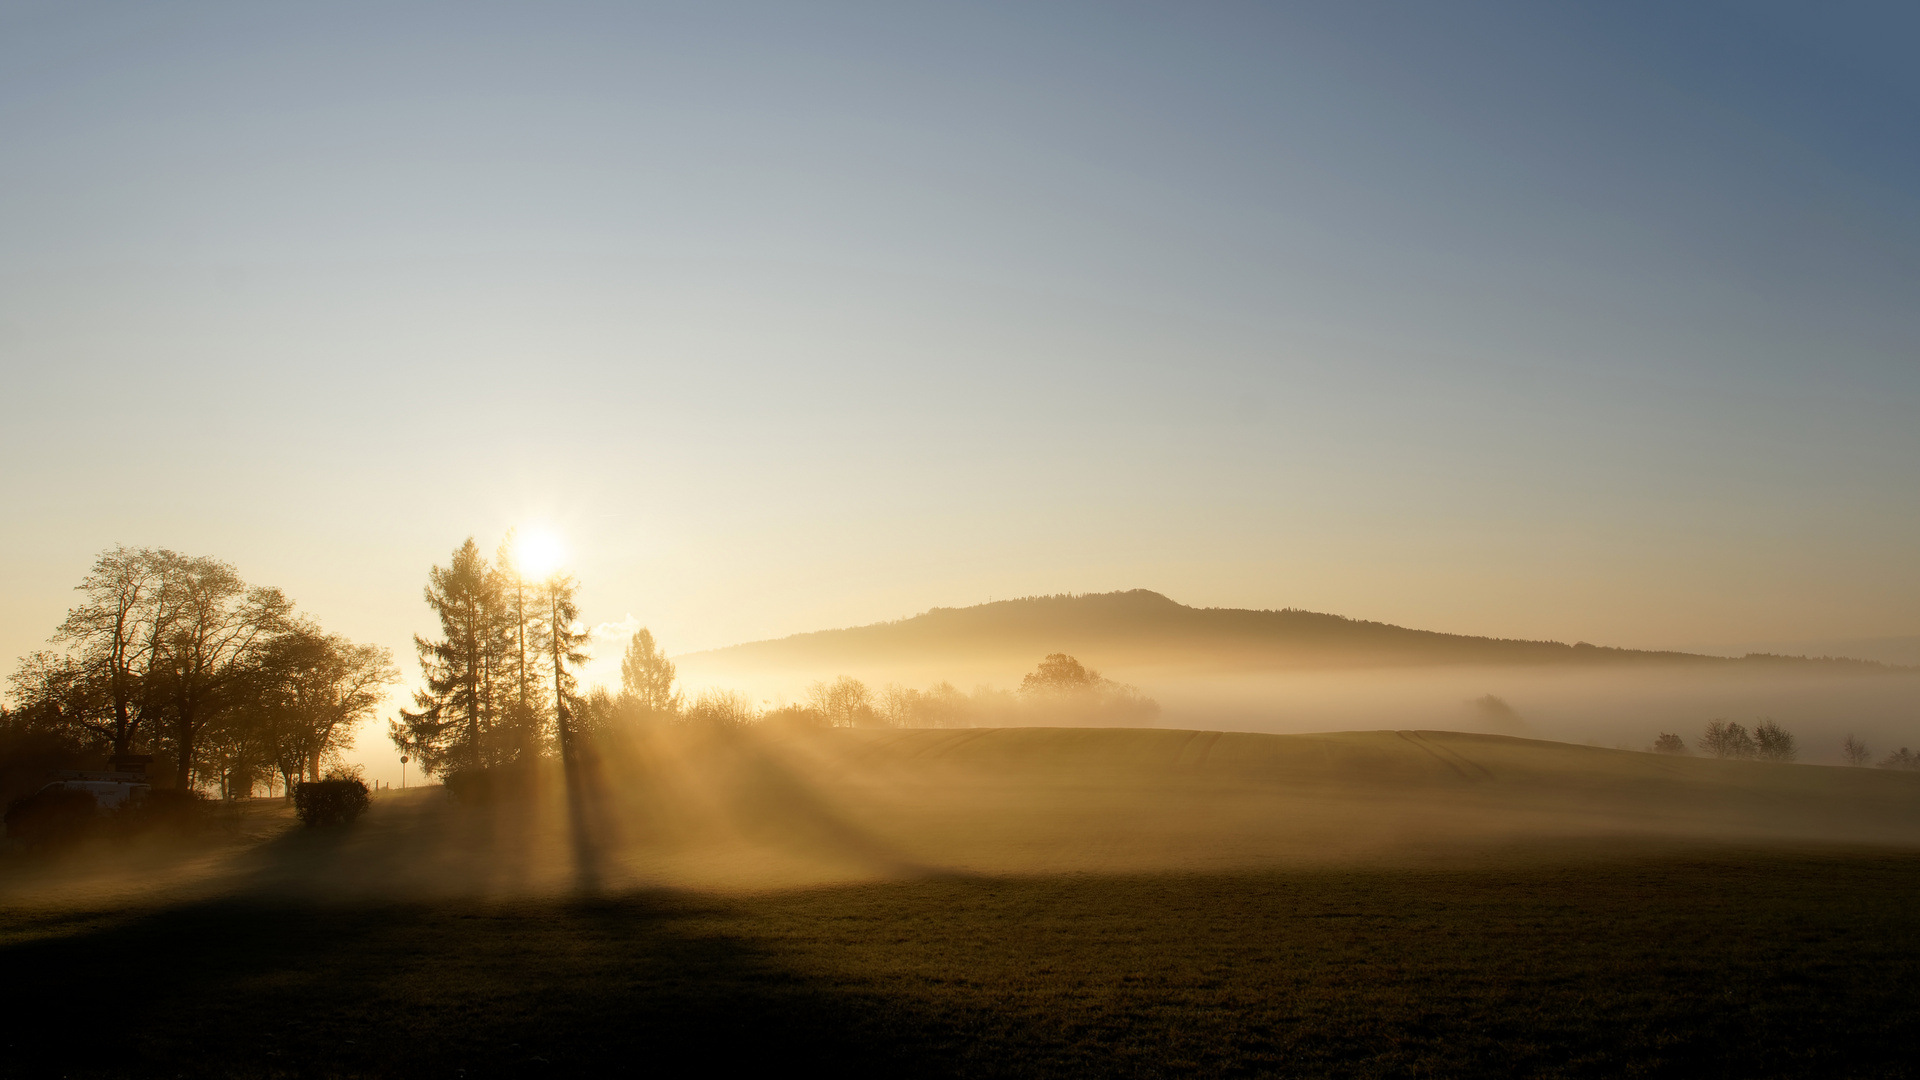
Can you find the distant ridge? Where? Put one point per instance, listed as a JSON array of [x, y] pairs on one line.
[[1141, 628]]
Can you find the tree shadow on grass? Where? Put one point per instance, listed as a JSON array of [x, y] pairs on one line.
[[252, 988]]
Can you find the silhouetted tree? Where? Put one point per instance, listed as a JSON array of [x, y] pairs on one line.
[[1059, 673], [218, 634], [899, 706], [118, 631], [845, 701], [525, 719], [1773, 742], [176, 655], [721, 710], [1061, 687], [1901, 759], [450, 727], [1727, 740], [320, 687], [1670, 744], [646, 675], [565, 646], [1855, 751]]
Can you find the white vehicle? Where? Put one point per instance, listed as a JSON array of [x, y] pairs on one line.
[[107, 794]]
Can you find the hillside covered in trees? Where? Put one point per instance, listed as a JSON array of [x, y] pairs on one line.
[[1140, 628]]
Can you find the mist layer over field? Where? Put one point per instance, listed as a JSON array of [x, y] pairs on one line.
[[1294, 671], [757, 810]]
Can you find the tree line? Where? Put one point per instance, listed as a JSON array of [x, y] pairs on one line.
[[176, 656], [1768, 741], [499, 683], [1060, 690]]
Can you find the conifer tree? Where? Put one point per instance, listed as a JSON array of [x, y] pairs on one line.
[[523, 716], [452, 727], [563, 646]]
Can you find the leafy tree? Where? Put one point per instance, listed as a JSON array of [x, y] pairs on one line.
[[218, 633], [1670, 744], [1062, 687], [177, 654], [118, 631], [321, 687], [1773, 742], [646, 675], [56, 694], [1060, 673], [1727, 740]]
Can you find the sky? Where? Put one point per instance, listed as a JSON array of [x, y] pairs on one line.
[[1584, 322]]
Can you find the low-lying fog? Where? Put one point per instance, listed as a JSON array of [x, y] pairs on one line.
[[1599, 705]]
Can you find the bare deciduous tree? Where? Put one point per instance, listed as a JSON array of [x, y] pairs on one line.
[[1855, 751], [1727, 740], [845, 702]]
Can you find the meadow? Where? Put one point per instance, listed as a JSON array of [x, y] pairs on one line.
[[1013, 903]]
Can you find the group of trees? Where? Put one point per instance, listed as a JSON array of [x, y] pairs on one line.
[[1769, 741], [177, 657], [1858, 753], [498, 680], [1059, 690]]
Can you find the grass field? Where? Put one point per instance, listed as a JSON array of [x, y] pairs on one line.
[[1730, 928]]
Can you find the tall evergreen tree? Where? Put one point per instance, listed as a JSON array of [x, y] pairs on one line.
[[525, 720], [452, 727], [564, 645]]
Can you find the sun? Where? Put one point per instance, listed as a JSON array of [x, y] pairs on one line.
[[538, 553]]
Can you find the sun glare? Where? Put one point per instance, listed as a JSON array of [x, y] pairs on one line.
[[538, 553]]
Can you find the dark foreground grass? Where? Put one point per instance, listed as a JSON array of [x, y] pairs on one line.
[[1686, 963]]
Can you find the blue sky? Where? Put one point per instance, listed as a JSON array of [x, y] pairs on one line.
[[1586, 322]]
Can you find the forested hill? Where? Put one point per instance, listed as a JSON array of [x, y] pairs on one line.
[[1144, 628]]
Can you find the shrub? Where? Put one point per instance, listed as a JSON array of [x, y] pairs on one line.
[[1670, 744], [330, 802], [52, 816], [1901, 759]]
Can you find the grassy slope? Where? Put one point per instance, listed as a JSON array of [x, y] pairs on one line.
[[1033, 903], [1044, 800]]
